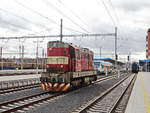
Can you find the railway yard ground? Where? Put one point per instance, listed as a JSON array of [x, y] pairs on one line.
[[109, 94], [74, 56]]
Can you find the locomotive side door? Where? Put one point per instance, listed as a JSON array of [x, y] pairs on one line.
[[72, 59]]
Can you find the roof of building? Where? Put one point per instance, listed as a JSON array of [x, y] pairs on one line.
[[144, 61], [108, 60]]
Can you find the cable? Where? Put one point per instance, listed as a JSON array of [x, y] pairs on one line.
[[50, 36], [37, 13], [115, 14], [34, 11], [17, 26], [60, 12], [70, 29], [73, 13], [11, 13], [108, 12], [14, 25]]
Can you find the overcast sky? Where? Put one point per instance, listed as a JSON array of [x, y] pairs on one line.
[[42, 17]]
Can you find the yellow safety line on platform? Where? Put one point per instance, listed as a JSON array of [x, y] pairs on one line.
[[146, 98]]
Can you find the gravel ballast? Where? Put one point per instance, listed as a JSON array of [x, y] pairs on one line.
[[75, 99], [20, 94]]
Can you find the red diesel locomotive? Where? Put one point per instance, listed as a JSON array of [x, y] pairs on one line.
[[67, 66]]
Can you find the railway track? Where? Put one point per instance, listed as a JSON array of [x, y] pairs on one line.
[[15, 89], [18, 104], [122, 103], [107, 102], [23, 104]]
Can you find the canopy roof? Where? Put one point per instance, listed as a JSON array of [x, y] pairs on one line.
[[144, 61], [108, 60]]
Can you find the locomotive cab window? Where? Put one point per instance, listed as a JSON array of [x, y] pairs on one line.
[[57, 45]]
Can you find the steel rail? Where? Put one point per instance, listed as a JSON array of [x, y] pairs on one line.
[[35, 101], [119, 99], [92, 102], [14, 89]]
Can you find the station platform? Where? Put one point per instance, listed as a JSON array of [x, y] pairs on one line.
[[139, 101], [19, 77]]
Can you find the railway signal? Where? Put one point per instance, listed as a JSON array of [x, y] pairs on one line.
[[128, 58], [116, 57]]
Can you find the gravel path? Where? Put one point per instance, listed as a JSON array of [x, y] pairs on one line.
[[74, 99]]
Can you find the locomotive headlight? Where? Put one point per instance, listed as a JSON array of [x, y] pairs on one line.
[[61, 66], [61, 79], [54, 79]]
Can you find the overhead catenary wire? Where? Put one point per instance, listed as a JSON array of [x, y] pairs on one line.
[[71, 35], [24, 19], [117, 22], [76, 15], [17, 26], [115, 14], [43, 16], [108, 12], [120, 27], [114, 11], [51, 36], [63, 14], [34, 11]]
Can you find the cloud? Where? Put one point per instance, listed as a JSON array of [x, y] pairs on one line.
[[133, 5], [11, 23], [131, 34]]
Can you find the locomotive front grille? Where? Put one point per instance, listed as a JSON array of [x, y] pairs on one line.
[[54, 69]]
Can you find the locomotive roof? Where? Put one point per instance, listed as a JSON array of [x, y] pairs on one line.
[[74, 46], [57, 42]]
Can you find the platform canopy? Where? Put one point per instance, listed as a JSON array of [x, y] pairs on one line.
[[108, 60], [144, 61]]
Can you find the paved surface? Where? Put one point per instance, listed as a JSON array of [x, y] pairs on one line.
[[19, 77], [139, 101]]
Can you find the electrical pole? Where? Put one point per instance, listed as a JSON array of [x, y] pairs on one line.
[[1, 53], [61, 25], [100, 51], [22, 57], [43, 59], [19, 59], [37, 53], [116, 47]]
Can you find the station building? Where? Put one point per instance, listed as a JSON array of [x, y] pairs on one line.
[[146, 63], [148, 44]]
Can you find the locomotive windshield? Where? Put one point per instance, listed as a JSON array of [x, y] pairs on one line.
[[57, 45]]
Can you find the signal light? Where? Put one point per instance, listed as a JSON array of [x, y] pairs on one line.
[[128, 58], [116, 57]]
